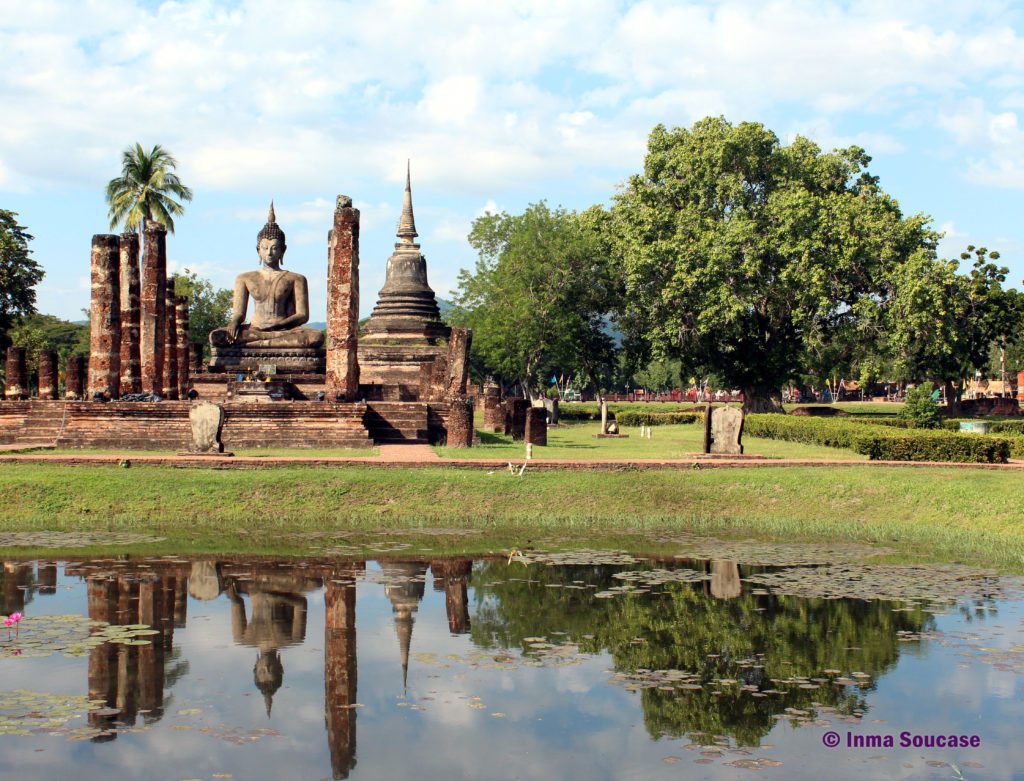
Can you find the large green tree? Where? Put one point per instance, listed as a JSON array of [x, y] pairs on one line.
[[941, 324], [208, 307], [19, 274], [146, 189], [539, 298], [744, 256]]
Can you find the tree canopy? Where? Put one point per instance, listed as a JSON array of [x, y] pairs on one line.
[[208, 307], [146, 189], [744, 256], [19, 274], [941, 324], [539, 298]]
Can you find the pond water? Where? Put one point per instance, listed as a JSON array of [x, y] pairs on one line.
[[596, 665]]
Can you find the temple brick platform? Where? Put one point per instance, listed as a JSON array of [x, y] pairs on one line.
[[165, 425]]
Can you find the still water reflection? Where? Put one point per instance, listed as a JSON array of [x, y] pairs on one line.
[[602, 668]]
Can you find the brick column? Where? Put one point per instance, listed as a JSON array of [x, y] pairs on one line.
[[458, 361], [460, 423], [518, 409], [343, 302], [105, 318], [195, 359], [494, 414], [74, 378], [340, 669], [131, 367], [152, 305], [439, 378], [15, 380], [170, 389], [536, 426], [181, 321], [48, 374]]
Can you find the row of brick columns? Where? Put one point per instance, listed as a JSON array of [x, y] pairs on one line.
[[138, 340], [138, 328]]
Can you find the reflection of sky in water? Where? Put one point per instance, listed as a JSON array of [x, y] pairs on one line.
[[556, 722]]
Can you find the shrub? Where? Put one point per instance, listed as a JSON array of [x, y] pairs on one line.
[[884, 442], [919, 407], [934, 446], [1007, 427]]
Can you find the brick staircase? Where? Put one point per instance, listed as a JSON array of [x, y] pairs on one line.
[[392, 423], [31, 424]]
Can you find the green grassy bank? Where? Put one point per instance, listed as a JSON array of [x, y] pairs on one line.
[[965, 514]]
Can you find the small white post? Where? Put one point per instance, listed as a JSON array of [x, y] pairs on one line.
[[529, 451]]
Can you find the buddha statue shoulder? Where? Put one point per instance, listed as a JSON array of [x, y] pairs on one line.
[[280, 301]]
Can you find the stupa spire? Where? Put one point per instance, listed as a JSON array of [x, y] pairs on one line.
[[407, 223]]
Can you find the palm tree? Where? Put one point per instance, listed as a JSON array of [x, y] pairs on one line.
[[145, 188]]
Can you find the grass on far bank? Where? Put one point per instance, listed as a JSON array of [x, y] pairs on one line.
[[959, 514], [265, 452], [577, 441]]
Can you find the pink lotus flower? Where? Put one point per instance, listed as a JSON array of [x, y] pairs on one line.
[[12, 620]]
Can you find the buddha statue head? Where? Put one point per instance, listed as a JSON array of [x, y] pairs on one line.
[[270, 242]]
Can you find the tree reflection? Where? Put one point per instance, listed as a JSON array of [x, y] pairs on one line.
[[750, 638]]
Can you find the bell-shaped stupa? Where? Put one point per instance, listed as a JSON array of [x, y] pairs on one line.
[[406, 308], [405, 328]]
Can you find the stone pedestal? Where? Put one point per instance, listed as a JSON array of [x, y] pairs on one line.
[[170, 389], [153, 305], [287, 360], [74, 378], [131, 366], [494, 415], [518, 410], [105, 318], [260, 391], [536, 426], [181, 345], [458, 361], [343, 302], [48, 374], [460, 423], [15, 376]]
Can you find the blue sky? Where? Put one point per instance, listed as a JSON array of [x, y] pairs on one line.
[[497, 105]]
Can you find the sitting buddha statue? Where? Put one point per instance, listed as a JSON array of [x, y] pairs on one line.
[[280, 307]]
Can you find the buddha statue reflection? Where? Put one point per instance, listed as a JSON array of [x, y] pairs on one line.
[[280, 301]]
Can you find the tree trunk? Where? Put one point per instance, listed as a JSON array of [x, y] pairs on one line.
[[761, 398], [952, 400]]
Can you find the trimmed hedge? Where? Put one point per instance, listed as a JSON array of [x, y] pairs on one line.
[[882, 442], [1015, 427], [830, 432], [931, 445], [591, 410], [657, 418]]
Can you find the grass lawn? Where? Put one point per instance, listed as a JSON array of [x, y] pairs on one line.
[[577, 441], [962, 514]]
